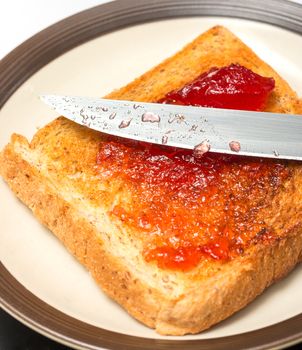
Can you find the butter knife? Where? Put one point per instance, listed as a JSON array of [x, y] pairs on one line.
[[246, 133]]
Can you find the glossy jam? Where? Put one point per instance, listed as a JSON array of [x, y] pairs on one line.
[[233, 87], [186, 209], [190, 208]]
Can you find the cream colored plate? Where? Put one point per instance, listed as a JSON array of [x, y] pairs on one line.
[[35, 257]]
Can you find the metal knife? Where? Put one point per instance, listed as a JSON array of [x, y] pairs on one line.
[[202, 129]]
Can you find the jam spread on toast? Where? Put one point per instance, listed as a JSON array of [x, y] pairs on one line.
[[232, 87], [190, 208]]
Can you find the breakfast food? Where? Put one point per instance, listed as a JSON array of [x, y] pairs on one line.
[[180, 241]]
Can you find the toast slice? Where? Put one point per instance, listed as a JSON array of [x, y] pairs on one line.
[[75, 201]]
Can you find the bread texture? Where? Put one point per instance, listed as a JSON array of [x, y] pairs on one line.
[[65, 193]]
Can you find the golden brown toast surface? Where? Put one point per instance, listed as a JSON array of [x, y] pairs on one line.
[[217, 47]]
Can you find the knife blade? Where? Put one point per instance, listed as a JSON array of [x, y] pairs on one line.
[[247, 133]]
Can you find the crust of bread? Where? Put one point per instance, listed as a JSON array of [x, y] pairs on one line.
[[64, 221], [189, 302]]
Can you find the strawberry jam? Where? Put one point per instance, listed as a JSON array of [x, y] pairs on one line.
[[233, 87], [186, 209]]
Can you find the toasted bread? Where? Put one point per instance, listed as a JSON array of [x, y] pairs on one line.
[[68, 196]]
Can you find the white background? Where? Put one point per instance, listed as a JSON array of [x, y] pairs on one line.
[[20, 19]]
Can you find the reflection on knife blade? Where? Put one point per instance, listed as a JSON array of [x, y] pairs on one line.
[[248, 133]]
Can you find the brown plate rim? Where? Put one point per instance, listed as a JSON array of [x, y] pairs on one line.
[[36, 52]]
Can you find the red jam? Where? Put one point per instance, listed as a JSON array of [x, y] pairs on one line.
[[233, 87], [184, 208]]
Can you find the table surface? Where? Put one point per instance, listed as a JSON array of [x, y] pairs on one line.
[[19, 20]]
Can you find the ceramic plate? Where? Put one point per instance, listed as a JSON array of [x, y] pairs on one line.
[[91, 54]]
